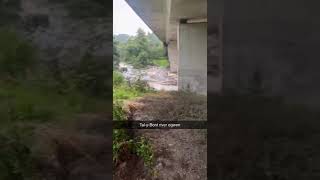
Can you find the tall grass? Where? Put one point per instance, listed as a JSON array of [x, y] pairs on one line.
[[123, 91], [123, 144]]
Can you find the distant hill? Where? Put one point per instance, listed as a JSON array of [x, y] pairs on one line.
[[122, 38]]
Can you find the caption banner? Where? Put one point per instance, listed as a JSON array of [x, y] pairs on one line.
[[159, 124]]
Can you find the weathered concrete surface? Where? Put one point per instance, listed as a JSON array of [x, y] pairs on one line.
[[163, 16], [183, 9], [274, 44], [192, 46], [153, 13], [173, 56]]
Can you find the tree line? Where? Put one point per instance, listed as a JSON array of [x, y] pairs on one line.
[[140, 50]]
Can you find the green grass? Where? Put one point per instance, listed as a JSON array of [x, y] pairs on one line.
[[122, 142], [123, 91], [124, 145], [161, 63], [25, 102], [144, 150]]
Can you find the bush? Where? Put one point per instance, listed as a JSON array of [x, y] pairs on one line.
[[118, 79], [144, 150], [124, 145], [140, 86], [118, 112], [119, 137]]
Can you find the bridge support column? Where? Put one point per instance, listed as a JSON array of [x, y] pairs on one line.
[[192, 53], [173, 56]]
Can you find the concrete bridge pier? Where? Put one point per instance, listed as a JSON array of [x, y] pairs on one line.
[[192, 55], [182, 26], [173, 56]]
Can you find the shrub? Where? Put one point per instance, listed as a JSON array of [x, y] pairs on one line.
[[140, 86], [118, 112], [119, 137], [118, 79], [144, 150], [122, 143]]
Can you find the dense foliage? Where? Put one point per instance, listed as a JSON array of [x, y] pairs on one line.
[[116, 55], [140, 50]]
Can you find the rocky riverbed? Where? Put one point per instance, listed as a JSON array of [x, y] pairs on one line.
[[160, 79]]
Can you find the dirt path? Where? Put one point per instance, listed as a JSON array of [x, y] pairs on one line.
[[180, 154], [170, 106]]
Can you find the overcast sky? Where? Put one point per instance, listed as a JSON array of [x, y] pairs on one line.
[[125, 20]]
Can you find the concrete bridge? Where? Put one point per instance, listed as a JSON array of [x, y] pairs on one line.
[[182, 26], [266, 44]]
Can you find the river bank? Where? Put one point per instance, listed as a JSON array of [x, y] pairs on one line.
[[158, 78]]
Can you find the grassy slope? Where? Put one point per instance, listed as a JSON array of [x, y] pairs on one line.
[[123, 145], [161, 63]]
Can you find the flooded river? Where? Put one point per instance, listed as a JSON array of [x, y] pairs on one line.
[[157, 78]]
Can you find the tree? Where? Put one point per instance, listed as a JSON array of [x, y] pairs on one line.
[[140, 50], [116, 55], [137, 50]]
